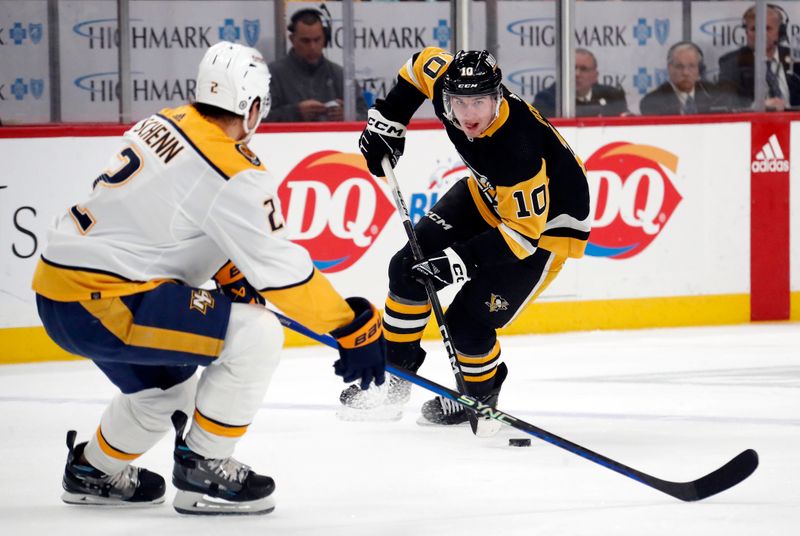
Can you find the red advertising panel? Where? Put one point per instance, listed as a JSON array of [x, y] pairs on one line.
[[769, 220]]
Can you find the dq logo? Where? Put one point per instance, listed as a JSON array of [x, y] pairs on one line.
[[334, 208], [632, 197]]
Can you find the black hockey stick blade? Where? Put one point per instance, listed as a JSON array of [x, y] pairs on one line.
[[727, 476], [715, 482]]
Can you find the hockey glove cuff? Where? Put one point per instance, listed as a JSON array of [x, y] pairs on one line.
[[362, 348], [231, 282], [445, 268], [382, 137]]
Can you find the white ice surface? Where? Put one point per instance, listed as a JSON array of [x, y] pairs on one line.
[[675, 403]]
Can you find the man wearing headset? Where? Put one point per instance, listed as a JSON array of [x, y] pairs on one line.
[[737, 68], [306, 86], [685, 92]]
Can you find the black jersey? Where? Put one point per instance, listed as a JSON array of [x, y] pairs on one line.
[[526, 181]]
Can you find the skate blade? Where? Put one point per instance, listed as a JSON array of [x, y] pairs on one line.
[[85, 499], [487, 428], [422, 421], [193, 503], [383, 413]]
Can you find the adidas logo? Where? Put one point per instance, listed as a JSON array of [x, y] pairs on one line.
[[770, 158]]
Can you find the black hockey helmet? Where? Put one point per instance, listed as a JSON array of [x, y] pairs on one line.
[[472, 72]]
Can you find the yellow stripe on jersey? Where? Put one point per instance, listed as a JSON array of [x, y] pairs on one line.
[[118, 319], [475, 191], [517, 243], [422, 72], [112, 452], [552, 272], [563, 246], [314, 303], [523, 209], [224, 153], [61, 283], [502, 116], [217, 428]]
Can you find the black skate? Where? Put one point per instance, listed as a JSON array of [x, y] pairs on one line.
[[223, 486], [84, 484], [442, 411]]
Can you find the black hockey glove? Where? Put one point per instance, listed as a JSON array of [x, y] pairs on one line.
[[444, 268], [231, 282], [380, 138], [362, 348]]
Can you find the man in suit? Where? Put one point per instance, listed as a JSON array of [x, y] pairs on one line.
[[737, 68], [591, 99], [685, 92]]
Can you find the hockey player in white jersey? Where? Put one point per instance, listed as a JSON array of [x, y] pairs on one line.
[[119, 282]]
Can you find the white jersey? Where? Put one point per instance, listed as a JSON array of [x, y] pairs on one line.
[[180, 198]]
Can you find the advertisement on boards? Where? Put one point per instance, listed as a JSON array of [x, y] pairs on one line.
[[167, 41], [24, 71], [794, 210], [668, 220]]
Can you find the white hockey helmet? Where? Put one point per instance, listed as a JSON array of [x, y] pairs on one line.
[[231, 76]]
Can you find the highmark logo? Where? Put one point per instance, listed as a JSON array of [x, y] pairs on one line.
[[334, 208], [229, 31], [632, 197], [770, 158]]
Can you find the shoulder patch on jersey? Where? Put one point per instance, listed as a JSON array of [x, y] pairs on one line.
[[221, 153], [246, 152], [424, 69]]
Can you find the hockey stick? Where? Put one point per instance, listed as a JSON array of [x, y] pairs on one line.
[[715, 482], [416, 251]]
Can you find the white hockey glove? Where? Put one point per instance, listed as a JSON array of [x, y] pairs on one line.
[[380, 138], [445, 268]]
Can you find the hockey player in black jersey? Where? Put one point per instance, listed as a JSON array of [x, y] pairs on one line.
[[510, 225]]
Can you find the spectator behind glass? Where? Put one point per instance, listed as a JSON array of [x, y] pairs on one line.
[[306, 86], [685, 92], [737, 69], [591, 99]]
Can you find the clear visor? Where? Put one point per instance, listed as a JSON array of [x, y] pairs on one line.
[[455, 104]]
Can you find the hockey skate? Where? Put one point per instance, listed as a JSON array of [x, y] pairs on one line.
[[383, 402], [222, 486], [84, 484], [441, 411], [378, 403]]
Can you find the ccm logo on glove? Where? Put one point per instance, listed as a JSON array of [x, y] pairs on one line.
[[444, 268], [377, 123]]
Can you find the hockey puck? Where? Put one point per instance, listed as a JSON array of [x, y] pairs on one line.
[[519, 442]]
